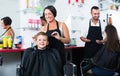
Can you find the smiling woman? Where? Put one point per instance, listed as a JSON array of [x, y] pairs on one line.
[[55, 28]]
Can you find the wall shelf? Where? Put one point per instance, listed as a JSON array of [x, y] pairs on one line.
[[28, 28]]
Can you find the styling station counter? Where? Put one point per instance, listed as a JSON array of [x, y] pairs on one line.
[[12, 57]]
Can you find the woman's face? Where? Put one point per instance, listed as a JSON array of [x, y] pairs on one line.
[[49, 15], [2, 24]]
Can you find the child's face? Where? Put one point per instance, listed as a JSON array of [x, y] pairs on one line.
[[42, 41]]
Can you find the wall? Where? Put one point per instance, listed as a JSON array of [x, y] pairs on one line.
[[10, 60], [26, 16], [75, 15], [65, 12], [10, 8], [71, 14]]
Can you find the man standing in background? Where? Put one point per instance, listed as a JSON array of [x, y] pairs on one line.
[[94, 39]]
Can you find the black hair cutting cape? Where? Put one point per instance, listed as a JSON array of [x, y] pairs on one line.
[[47, 62]]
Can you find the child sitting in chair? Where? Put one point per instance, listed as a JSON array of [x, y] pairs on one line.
[[41, 60]]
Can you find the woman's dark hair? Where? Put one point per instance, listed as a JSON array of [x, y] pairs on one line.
[[52, 9], [42, 18], [7, 20], [112, 37]]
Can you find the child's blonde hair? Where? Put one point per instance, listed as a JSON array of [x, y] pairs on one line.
[[38, 34]]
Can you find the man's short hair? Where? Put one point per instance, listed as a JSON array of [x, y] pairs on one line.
[[94, 7]]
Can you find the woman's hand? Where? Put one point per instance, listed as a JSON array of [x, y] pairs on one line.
[[56, 35], [99, 41]]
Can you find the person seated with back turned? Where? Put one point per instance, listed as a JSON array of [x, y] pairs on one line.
[[41, 60], [107, 60], [6, 24]]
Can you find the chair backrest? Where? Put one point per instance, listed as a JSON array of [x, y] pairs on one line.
[[70, 69]]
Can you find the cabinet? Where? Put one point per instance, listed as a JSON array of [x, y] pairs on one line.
[[11, 57]]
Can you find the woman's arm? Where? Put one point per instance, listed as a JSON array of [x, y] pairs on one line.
[[66, 37]]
